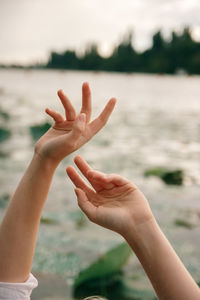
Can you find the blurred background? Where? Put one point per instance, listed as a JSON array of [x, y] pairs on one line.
[[147, 55]]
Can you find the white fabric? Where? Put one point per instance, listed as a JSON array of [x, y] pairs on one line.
[[18, 291]]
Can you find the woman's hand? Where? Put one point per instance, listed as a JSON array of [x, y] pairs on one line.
[[70, 133], [114, 203]]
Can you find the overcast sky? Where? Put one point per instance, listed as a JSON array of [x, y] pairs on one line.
[[30, 29]]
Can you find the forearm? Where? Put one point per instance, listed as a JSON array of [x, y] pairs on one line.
[[166, 272], [18, 231]]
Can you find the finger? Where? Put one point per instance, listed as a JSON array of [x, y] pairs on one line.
[[86, 101], [83, 166], [70, 111], [86, 206], [110, 180], [85, 169], [101, 179], [78, 128], [77, 180], [58, 118], [102, 119], [96, 177], [117, 180]]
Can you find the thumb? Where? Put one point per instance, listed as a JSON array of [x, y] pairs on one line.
[[85, 205], [79, 126]]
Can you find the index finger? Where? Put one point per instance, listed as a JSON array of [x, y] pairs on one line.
[[77, 180], [98, 182], [82, 165]]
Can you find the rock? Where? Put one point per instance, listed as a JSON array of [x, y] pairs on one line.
[[171, 177]]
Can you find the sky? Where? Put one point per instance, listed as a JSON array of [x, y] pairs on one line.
[[31, 29]]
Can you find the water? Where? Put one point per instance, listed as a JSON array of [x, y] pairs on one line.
[[156, 123]]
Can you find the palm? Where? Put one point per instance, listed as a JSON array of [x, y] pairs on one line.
[[55, 138], [112, 204], [113, 200], [69, 133]]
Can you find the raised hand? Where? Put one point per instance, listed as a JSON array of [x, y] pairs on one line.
[[72, 131], [113, 202]]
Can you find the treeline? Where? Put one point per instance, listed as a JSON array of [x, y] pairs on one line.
[[179, 53]]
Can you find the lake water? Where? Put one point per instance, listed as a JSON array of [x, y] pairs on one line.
[[156, 123]]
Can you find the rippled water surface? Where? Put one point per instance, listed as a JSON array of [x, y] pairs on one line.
[[156, 123]]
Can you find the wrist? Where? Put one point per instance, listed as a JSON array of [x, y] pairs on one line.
[[45, 162], [139, 217], [143, 236], [48, 155]]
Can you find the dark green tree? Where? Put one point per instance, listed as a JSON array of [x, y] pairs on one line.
[[180, 52]]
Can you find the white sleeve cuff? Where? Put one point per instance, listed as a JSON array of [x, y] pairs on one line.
[[18, 291]]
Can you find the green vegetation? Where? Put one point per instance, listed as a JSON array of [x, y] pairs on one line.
[[183, 223], [4, 134], [38, 130], [177, 54], [46, 220], [171, 177], [4, 115], [4, 200], [104, 277], [109, 263]]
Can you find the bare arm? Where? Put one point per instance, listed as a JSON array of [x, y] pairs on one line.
[[115, 203], [19, 229], [168, 275]]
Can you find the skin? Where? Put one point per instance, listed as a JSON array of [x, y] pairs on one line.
[[115, 203], [71, 132], [19, 228]]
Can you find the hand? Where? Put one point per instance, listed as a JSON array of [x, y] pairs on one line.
[[70, 133], [114, 202]]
